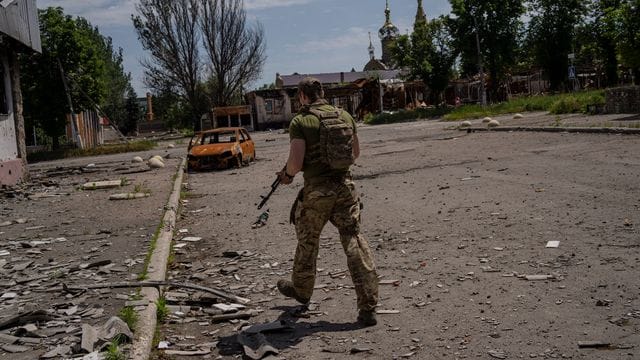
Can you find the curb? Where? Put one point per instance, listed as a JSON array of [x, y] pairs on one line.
[[157, 271], [594, 130]]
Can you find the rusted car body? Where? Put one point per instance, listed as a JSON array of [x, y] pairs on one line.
[[220, 149]]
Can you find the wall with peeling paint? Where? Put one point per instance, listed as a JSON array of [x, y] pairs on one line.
[[8, 144]]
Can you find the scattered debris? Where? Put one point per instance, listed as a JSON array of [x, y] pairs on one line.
[[255, 344], [539, 277], [218, 292], [95, 185], [498, 354], [262, 220], [593, 344], [553, 244], [383, 311], [128, 196]]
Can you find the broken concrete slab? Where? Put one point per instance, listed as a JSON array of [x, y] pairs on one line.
[[128, 196], [89, 338], [539, 277], [60, 350], [95, 185], [187, 352], [15, 348], [593, 344]]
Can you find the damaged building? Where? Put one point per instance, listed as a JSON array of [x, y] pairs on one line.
[[19, 32], [378, 87]]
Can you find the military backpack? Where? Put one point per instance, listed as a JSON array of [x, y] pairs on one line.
[[336, 139]]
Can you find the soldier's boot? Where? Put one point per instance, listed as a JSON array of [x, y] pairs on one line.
[[367, 317], [286, 288]]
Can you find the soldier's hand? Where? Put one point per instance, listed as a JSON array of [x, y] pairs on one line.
[[284, 178]]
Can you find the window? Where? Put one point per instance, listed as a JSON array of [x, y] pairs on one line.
[[4, 101]]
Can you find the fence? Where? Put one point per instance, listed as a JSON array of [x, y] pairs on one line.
[[86, 131]]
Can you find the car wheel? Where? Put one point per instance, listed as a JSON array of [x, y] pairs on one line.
[[253, 157]]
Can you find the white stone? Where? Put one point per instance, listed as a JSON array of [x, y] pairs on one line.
[[493, 123], [518, 116], [486, 120], [157, 157], [137, 159], [170, 146], [154, 163], [465, 124]]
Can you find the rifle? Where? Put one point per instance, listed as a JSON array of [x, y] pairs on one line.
[[274, 186]]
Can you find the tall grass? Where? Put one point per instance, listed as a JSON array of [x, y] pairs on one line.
[[556, 104]]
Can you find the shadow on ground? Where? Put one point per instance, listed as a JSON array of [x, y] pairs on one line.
[[293, 332]]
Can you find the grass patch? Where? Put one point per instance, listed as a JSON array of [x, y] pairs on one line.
[[142, 145], [129, 316], [405, 116], [113, 352], [154, 240], [162, 311], [141, 188], [556, 104]]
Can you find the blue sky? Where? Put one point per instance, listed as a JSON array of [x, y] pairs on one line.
[[304, 36]]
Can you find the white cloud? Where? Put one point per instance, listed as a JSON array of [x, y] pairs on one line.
[[354, 37], [265, 4], [100, 13]]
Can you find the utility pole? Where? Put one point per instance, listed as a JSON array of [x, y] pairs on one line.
[[74, 118], [483, 93]]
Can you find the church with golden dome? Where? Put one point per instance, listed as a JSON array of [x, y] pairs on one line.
[[388, 33]]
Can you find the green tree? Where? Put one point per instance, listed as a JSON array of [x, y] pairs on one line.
[[44, 92], [428, 55], [76, 48], [551, 36], [133, 113], [496, 24], [597, 39], [118, 88], [629, 36]]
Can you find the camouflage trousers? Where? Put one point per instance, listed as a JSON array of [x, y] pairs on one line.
[[335, 201]]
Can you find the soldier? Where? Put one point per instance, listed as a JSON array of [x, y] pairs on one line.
[[323, 145]]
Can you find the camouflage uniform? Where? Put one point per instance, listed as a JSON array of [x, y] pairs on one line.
[[330, 196]]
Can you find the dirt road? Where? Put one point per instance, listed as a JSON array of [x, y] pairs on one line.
[[459, 225]]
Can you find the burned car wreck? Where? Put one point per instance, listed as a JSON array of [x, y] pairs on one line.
[[220, 149]]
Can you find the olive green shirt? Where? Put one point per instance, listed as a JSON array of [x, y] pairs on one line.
[[306, 126]]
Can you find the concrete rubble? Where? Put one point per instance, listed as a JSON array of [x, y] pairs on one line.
[[459, 237]]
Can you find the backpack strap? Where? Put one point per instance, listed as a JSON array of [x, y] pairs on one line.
[[321, 115]]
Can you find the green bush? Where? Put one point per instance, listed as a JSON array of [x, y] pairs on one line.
[[405, 116], [565, 105]]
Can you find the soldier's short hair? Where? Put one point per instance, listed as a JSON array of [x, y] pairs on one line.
[[311, 88]]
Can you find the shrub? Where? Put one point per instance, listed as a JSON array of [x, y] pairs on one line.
[[566, 105]]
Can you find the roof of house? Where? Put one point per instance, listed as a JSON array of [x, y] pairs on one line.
[[19, 21], [340, 77]]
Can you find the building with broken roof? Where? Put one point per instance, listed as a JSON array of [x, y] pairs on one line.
[[378, 87], [19, 32]]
